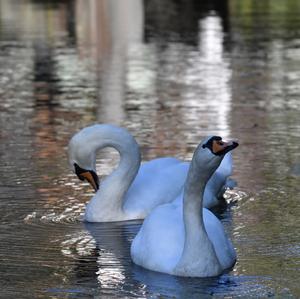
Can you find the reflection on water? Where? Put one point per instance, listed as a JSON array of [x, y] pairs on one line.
[[172, 73]]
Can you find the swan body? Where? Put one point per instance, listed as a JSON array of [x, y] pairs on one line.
[[182, 238], [133, 189], [144, 194]]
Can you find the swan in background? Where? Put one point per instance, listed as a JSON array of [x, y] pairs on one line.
[[132, 190], [185, 239]]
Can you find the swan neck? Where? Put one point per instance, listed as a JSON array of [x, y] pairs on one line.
[[121, 178], [193, 201], [198, 256], [108, 201]]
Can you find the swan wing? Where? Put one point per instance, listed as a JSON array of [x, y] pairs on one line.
[[159, 243], [225, 167], [222, 245], [218, 183], [158, 181]]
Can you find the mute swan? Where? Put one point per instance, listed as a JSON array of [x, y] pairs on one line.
[[180, 239], [131, 191]]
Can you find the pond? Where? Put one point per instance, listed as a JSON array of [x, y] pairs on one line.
[[171, 72]]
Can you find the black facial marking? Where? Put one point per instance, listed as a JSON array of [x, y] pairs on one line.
[[209, 143], [95, 177], [227, 149], [79, 171]]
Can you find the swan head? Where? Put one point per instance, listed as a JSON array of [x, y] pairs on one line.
[[217, 146], [84, 145], [212, 150], [82, 159]]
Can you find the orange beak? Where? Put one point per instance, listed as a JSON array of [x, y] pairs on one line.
[[92, 178]]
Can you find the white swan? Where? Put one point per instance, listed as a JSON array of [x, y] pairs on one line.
[[131, 191], [180, 239]]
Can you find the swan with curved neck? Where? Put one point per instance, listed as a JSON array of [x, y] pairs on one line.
[[185, 239], [132, 190]]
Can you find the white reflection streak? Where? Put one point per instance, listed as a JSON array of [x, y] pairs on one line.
[[110, 274], [125, 26], [141, 73], [82, 244], [211, 39], [214, 73], [79, 244]]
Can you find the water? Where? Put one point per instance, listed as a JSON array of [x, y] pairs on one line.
[[171, 73]]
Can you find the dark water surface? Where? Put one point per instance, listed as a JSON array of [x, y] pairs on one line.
[[171, 72]]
